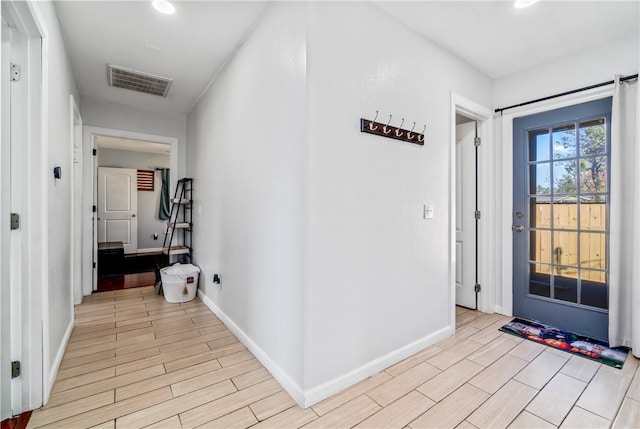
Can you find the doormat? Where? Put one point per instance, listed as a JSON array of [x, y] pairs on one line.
[[567, 341]]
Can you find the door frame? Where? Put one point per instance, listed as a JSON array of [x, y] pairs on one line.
[[32, 388], [75, 126], [505, 197], [90, 193], [487, 178]]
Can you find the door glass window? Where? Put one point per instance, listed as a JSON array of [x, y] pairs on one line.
[[568, 194]]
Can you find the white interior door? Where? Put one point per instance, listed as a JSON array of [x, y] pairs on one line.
[[118, 206], [465, 215]]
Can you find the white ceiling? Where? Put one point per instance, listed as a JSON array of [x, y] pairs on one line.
[[189, 46], [498, 39], [192, 45]]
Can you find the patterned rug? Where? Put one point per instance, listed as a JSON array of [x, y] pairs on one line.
[[567, 341]]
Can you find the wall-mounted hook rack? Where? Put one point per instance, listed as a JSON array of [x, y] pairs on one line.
[[386, 130]]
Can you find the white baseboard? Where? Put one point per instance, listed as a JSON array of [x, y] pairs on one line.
[[55, 366], [278, 373], [317, 394], [314, 395]]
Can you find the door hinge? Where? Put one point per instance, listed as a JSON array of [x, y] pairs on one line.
[[476, 214], [95, 152], [94, 208], [94, 265], [15, 369], [477, 287], [477, 141], [15, 221], [15, 72]]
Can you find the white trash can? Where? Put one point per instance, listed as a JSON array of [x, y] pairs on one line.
[[179, 282]]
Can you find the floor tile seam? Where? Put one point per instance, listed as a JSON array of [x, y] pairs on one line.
[[213, 400], [165, 401], [115, 416], [588, 411], [124, 376], [524, 407], [113, 328], [438, 402], [573, 405], [273, 416], [576, 378], [123, 343], [72, 415], [178, 381], [108, 365], [619, 408]]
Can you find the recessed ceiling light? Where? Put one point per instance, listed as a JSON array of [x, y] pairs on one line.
[[521, 4], [163, 6]]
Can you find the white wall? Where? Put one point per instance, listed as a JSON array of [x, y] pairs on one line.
[[588, 67], [378, 277], [60, 83], [107, 114], [592, 66], [316, 228], [148, 201], [247, 155]]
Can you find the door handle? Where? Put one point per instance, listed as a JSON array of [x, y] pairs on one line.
[[133, 215], [517, 228]]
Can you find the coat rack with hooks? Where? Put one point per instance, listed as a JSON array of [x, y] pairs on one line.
[[386, 130]]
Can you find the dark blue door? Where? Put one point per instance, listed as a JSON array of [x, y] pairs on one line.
[[560, 217]]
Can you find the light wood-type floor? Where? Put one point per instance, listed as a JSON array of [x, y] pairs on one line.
[[135, 360]]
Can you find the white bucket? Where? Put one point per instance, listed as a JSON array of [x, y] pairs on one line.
[[180, 287], [180, 291]]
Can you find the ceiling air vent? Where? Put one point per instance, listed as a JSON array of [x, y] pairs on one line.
[[121, 77]]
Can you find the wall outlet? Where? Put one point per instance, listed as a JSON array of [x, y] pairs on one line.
[[155, 236]]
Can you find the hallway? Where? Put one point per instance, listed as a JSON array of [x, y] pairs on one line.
[[135, 360]]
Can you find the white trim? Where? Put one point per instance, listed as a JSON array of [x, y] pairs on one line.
[[325, 390], [505, 198], [278, 373], [487, 177], [75, 128], [32, 265], [316, 394], [55, 366], [89, 222], [150, 250]]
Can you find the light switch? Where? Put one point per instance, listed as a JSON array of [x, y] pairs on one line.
[[428, 211]]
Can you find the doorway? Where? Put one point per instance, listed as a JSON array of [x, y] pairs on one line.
[[466, 209], [560, 217], [140, 153], [472, 250]]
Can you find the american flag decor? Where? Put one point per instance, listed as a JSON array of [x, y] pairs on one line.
[[145, 180]]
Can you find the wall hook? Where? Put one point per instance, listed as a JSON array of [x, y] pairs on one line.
[[384, 129], [398, 130], [371, 127], [409, 135], [423, 130]]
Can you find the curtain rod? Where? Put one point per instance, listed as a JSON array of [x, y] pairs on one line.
[[598, 85]]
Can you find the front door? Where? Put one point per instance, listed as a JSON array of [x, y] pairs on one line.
[[560, 217], [118, 207]]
